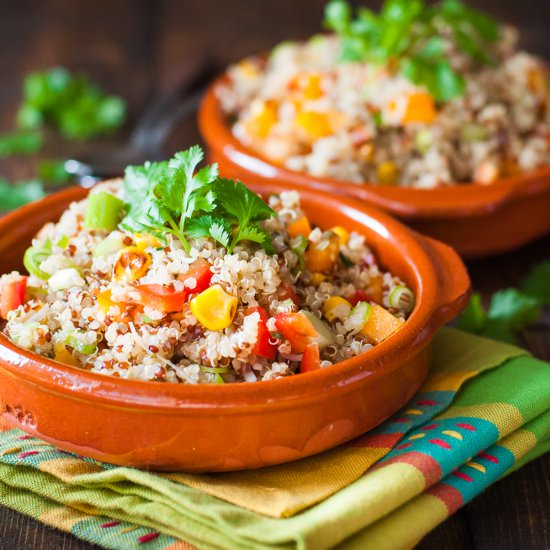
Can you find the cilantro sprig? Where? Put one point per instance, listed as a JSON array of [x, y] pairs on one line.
[[175, 197], [408, 35], [511, 310]]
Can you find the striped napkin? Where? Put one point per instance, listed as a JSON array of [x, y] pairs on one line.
[[483, 412]]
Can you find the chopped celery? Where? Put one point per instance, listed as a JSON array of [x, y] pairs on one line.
[[215, 370], [104, 211], [74, 340]]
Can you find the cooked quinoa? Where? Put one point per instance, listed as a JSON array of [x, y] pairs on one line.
[[86, 304], [363, 122]]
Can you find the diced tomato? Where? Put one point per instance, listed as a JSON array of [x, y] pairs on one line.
[[162, 298], [263, 346], [359, 296], [286, 292], [200, 271], [297, 329], [311, 360], [12, 294], [168, 300]]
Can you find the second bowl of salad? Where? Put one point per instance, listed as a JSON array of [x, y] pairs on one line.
[[430, 112]]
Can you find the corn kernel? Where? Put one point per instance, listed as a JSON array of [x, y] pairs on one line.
[[387, 173], [317, 278], [312, 88], [145, 240], [336, 307], [63, 355], [343, 234], [214, 308]]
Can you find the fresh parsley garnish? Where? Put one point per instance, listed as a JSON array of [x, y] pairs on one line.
[[20, 143], [511, 310], [69, 103], [175, 197], [408, 35], [537, 283]]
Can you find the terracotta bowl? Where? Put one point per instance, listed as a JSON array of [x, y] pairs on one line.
[[477, 220], [235, 426]]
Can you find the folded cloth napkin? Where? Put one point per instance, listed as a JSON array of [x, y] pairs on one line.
[[483, 412]]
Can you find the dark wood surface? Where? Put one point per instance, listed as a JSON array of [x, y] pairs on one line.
[[140, 48]]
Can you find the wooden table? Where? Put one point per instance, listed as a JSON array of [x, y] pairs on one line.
[[140, 48]]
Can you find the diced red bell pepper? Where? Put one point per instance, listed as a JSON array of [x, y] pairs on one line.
[[12, 294], [200, 271], [166, 298], [297, 329], [359, 296], [311, 360], [263, 347]]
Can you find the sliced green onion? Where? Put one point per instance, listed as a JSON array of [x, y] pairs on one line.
[[63, 242], [473, 132], [423, 140], [146, 319], [345, 260], [401, 298], [218, 379], [74, 341], [216, 370], [359, 315], [104, 211], [299, 249], [33, 258]]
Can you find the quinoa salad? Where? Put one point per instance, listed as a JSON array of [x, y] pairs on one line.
[[415, 96], [174, 274]]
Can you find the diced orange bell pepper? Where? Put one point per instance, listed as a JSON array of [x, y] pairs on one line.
[[420, 108], [301, 226], [316, 124], [12, 295], [323, 259], [263, 119], [311, 360], [380, 324]]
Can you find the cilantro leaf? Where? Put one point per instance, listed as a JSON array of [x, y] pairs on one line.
[[208, 226], [474, 316], [21, 142], [178, 198], [510, 311], [514, 307], [69, 103], [245, 207], [537, 283], [406, 34]]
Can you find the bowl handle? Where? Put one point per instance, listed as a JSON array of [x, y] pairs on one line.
[[454, 285]]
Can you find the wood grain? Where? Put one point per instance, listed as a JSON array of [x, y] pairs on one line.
[[140, 48]]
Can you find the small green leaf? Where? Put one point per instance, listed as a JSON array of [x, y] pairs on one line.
[[537, 283], [16, 195], [22, 142], [514, 307], [474, 316]]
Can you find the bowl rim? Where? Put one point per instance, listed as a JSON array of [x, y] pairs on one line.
[[432, 309], [455, 201]]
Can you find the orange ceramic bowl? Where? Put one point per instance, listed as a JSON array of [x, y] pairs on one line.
[[477, 220], [235, 426]]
